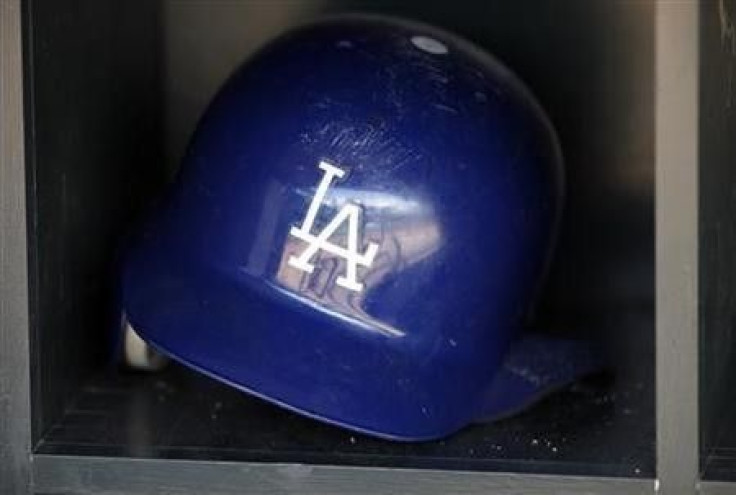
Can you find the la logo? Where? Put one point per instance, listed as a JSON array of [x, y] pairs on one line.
[[349, 213]]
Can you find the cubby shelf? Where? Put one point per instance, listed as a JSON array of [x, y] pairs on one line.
[[98, 101]]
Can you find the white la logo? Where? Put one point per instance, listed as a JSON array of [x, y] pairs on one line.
[[349, 212]]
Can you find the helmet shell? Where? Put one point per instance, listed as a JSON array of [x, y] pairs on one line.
[[425, 179]]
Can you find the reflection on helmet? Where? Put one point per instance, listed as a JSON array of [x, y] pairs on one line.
[[406, 231]]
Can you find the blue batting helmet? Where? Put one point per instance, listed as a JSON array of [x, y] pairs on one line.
[[358, 231]]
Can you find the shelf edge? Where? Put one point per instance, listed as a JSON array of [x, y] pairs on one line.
[[85, 475]]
